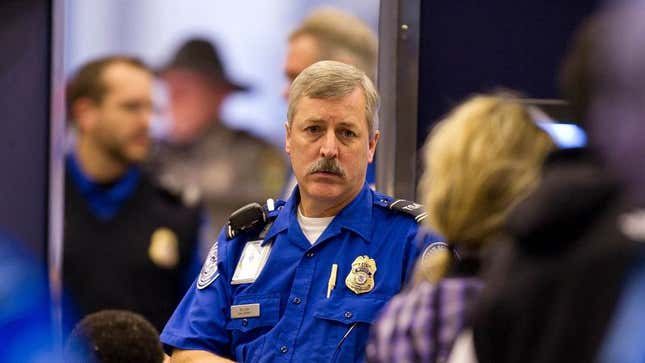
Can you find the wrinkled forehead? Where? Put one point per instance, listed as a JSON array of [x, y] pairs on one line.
[[349, 105]]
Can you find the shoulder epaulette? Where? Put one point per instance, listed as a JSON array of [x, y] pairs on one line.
[[413, 209], [252, 216]]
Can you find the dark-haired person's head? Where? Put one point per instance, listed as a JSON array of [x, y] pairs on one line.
[[114, 336], [109, 101]]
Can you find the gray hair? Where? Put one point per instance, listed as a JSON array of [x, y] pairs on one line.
[[331, 79]]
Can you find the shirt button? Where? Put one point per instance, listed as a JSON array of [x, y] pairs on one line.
[[310, 254], [348, 315], [245, 322], [284, 349], [296, 300]]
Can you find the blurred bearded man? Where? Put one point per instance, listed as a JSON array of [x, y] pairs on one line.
[[128, 243]]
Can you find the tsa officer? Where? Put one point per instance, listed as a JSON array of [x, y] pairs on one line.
[[303, 280]]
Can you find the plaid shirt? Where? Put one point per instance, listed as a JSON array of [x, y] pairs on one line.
[[422, 323]]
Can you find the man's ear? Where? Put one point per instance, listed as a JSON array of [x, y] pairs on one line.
[[372, 145], [84, 112], [287, 139]]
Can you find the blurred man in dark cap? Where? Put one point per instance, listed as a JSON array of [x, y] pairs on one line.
[[203, 159], [198, 86]]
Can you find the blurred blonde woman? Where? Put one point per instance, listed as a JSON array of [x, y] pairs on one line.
[[482, 159]]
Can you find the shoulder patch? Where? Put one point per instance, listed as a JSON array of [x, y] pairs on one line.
[[431, 249], [427, 258], [209, 272], [416, 210]]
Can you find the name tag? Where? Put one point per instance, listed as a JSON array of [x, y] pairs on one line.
[[253, 258], [245, 311]]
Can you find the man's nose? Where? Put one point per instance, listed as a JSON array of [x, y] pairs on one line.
[[329, 148]]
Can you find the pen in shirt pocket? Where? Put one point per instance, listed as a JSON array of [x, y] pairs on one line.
[[332, 279]]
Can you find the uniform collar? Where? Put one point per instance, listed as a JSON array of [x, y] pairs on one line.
[[104, 200], [356, 216]]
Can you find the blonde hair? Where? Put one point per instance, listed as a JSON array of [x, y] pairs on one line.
[[481, 160], [330, 79], [341, 37]]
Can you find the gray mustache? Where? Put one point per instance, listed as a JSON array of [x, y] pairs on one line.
[[326, 166]]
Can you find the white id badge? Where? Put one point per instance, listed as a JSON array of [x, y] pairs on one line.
[[253, 258]]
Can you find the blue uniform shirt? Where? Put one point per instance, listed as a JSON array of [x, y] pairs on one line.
[[297, 322]]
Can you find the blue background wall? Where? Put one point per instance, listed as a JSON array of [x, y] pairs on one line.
[[470, 46]]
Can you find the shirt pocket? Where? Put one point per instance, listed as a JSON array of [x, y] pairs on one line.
[[268, 317], [249, 334], [346, 321]]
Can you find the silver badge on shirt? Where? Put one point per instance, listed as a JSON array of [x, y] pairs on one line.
[[254, 257], [209, 270]]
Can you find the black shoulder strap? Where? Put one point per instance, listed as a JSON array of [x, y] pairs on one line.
[[416, 210]]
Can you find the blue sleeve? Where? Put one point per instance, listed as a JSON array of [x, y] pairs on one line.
[[202, 244], [426, 236], [421, 238], [199, 322]]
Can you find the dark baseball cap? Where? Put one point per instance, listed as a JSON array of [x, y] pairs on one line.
[[202, 56]]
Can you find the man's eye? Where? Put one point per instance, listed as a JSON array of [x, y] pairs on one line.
[[136, 107], [347, 133], [132, 107], [313, 129]]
